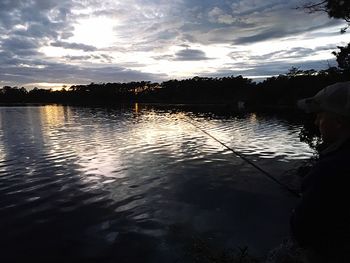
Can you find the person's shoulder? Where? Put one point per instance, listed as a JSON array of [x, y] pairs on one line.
[[333, 169], [339, 160], [339, 156]]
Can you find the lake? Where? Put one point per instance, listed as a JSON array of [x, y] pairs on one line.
[[142, 183]]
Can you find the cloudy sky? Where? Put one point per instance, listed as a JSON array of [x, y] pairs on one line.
[[50, 43]]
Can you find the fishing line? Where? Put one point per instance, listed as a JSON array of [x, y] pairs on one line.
[[292, 191]]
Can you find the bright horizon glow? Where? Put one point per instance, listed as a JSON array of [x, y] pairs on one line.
[[52, 86]]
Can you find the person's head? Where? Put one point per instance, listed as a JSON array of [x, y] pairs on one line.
[[332, 106]]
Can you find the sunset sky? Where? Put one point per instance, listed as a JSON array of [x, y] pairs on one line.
[[50, 43]]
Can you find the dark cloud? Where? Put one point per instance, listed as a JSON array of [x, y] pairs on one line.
[[190, 55], [261, 36], [26, 26], [77, 46], [77, 57], [20, 46], [276, 33], [104, 58], [184, 55], [264, 69], [7, 58], [36, 30], [290, 54], [293, 53], [48, 16], [17, 43], [58, 73], [251, 21]]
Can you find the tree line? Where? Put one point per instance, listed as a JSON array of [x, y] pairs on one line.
[[280, 91]]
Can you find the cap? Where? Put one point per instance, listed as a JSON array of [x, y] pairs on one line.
[[334, 98]]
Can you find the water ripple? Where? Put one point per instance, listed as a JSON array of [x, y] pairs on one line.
[[95, 178]]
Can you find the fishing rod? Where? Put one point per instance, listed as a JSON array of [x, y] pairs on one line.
[[267, 174]]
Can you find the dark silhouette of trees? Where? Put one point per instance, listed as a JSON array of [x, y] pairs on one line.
[[279, 92], [200, 90], [335, 8], [283, 91], [343, 58], [13, 94]]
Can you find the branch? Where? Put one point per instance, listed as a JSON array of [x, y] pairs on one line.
[[314, 7], [344, 29]]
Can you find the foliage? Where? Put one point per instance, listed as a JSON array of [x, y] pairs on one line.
[[339, 9], [343, 58], [334, 8], [202, 252], [311, 135]]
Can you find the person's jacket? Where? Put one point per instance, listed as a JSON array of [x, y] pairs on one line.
[[321, 221]]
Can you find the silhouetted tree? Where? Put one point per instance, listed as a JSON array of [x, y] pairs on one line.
[[279, 92], [12, 94], [334, 8], [343, 57]]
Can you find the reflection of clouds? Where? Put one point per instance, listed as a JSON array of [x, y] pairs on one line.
[[83, 140], [101, 162], [172, 134], [264, 137], [128, 146]]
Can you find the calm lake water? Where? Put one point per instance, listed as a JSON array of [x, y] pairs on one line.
[[140, 184]]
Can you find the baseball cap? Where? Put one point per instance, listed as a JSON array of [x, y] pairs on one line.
[[334, 98]]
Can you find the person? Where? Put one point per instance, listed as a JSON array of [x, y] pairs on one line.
[[320, 223]]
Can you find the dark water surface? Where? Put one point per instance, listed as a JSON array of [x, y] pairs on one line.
[[140, 184]]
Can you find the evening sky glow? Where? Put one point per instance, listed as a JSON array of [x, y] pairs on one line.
[[49, 43]]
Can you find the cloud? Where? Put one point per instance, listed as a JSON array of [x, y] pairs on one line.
[[254, 7], [77, 46], [262, 70], [144, 31], [77, 57], [26, 26], [20, 46], [50, 16], [190, 55], [293, 53], [102, 58], [290, 54], [56, 73], [276, 32], [184, 55], [18, 43], [217, 15], [7, 58], [249, 21]]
